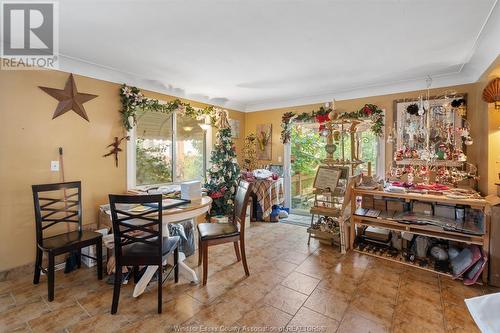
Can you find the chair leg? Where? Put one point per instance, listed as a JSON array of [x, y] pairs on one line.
[[237, 251], [38, 265], [116, 289], [99, 258], [244, 256], [160, 289], [200, 251], [135, 272], [309, 238], [205, 262], [50, 277], [176, 265], [79, 258]]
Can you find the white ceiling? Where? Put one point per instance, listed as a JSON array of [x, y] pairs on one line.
[[259, 54]]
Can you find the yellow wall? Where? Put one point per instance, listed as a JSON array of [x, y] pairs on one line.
[[493, 148], [30, 140], [475, 153]]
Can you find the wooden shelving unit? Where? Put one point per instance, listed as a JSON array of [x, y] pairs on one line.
[[407, 263], [424, 230]]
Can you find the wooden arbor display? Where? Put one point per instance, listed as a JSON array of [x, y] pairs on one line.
[[337, 130], [332, 195], [335, 179]]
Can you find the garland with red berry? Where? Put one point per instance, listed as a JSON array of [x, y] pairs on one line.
[[321, 116]]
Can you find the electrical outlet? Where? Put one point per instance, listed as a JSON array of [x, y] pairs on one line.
[[54, 165]]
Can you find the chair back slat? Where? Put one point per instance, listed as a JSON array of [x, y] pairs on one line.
[[131, 227], [241, 200], [56, 204]]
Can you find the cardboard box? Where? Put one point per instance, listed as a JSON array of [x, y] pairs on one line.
[[395, 205], [446, 211], [191, 190], [90, 251], [367, 201], [380, 204], [420, 207]]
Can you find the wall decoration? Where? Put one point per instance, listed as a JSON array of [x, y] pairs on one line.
[[235, 128], [133, 99], [222, 120], [115, 148], [69, 99], [491, 94], [249, 153], [430, 138], [368, 112], [264, 141]]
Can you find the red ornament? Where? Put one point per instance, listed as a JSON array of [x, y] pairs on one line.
[[321, 118], [216, 195], [367, 110]]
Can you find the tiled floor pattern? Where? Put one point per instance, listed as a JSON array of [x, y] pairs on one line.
[[307, 288]]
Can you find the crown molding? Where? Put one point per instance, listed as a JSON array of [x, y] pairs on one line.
[[96, 71]]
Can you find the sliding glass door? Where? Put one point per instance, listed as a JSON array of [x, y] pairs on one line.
[[306, 153]]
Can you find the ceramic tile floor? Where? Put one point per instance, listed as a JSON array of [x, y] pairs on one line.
[[310, 288]]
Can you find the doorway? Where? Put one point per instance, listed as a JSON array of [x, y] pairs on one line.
[[307, 150]]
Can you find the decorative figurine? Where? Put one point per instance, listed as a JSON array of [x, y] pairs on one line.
[[116, 148]]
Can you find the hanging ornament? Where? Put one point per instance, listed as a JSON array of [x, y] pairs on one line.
[[412, 109]]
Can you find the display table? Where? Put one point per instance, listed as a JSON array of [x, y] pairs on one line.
[[185, 212], [482, 239], [267, 193]]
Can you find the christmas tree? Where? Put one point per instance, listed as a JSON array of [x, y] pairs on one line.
[[223, 175]]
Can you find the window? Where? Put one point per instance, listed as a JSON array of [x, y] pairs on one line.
[[166, 149]]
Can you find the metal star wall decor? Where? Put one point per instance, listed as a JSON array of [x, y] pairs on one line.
[[69, 99]]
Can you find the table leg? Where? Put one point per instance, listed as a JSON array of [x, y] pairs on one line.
[[151, 270], [144, 280]]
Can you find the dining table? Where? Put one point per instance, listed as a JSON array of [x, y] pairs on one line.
[[187, 211]]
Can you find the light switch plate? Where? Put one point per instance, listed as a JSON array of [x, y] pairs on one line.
[[54, 165]]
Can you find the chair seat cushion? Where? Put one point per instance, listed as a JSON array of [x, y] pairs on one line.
[[217, 230], [147, 250], [69, 239]]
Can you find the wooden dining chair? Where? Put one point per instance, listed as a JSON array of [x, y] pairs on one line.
[[55, 205], [139, 241], [219, 233]]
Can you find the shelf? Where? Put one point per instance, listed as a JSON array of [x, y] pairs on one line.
[[481, 203], [323, 234], [424, 230], [332, 212], [447, 163], [410, 264], [402, 261]]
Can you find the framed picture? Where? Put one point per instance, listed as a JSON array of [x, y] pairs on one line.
[[235, 128], [264, 135]]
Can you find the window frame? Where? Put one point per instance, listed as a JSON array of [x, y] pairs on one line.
[[131, 155]]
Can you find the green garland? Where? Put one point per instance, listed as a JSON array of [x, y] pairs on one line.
[[133, 99], [369, 111]]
